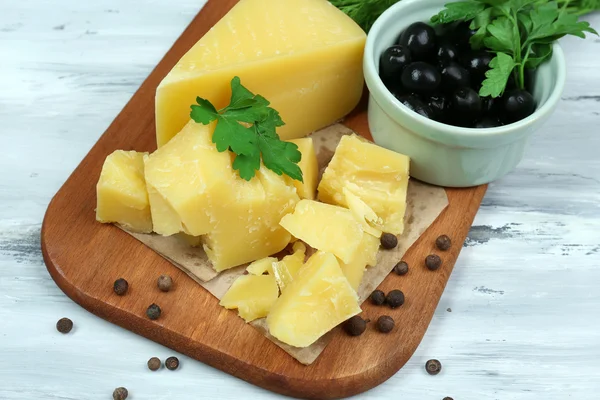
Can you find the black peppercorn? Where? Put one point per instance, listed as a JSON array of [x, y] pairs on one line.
[[433, 367], [388, 240], [401, 268], [377, 297], [395, 298], [355, 326], [447, 398], [120, 394], [172, 363], [64, 325], [433, 262], [120, 286], [154, 364], [443, 242], [385, 324], [153, 312], [165, 283]]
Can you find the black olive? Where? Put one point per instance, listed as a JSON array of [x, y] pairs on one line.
[[488, 122], [439, 104], [421, 77], [454, 76], [416, 105], [392, 62], [446, 52], [444, 31], [490, 106], [518, 104], [466, 106], [462, 35], [419, 38], [477, 63]]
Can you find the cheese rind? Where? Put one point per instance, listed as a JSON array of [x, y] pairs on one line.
[[325, 227], [378, 176], [315, 302], [121, 192], [252, 295], [304, 56], [309, 167]]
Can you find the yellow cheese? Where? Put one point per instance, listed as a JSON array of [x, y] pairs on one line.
[[252, 295], [325, 227], [246, 220], [363, 213], [366, 255], [194, 241], [286, 270], [121, 192], [261, 266], [304, 56], [184, 178], [310, 169], [316, 301], [378, 176]]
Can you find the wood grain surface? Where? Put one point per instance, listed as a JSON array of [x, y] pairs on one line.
[[85, 257]]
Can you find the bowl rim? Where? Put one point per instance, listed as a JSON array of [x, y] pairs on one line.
[[382, 95]]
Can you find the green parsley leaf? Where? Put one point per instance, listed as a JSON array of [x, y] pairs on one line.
[[363, 12], [248, 128], [458, 11], [480, 22], [502, 37], [539, 53], [501, 67]]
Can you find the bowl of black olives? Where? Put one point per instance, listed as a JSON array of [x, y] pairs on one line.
[[425, 98]]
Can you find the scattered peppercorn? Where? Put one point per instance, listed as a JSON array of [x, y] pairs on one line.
[[172, 363], [401, 268], [165, 283], [449, 309], [385, 324], [64, 325], [395, 298], [120, 286], [433, 262], [433, 367], [355, 326], [377, 297], [443, 242], [388, 240], [153, 312], [447, 398], [120, 394], [154, 364]]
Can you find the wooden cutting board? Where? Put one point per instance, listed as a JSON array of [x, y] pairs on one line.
[[84, 258]]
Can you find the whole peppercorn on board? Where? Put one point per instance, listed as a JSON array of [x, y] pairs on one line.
[[85, 259]]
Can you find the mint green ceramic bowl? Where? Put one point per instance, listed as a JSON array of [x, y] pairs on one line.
[[442, 154]]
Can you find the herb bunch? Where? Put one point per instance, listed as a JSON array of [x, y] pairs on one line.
[[519, 32], [247, 127], [363, 12]]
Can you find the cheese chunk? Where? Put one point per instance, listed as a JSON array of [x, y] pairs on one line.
[[316, 301], [121, 192], [184, 179], [325, 227], [252, 295], [286, 270], [304, 56], [310, 169], [363, 213], [246, 220], [366, 255], [261, 266], [378, 176]]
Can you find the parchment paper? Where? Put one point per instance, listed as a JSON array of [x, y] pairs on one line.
[[424, 204]]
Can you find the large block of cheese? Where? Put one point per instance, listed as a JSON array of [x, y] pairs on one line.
[[378, 176], [246, 220], [304, 56], [316, 301], [184, 178], [252, 295], [307, 189], [325, 227], [121, 192]]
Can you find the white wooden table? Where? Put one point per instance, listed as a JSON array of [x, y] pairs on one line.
[[520, 318]]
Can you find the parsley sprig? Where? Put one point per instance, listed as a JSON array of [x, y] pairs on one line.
[[247, 127], [363, 12], [520, 32]]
